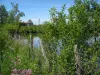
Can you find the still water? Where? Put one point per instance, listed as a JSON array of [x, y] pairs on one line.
[[39, 42], [36, 42]]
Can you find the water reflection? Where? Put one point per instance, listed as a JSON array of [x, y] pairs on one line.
[[36, 42]]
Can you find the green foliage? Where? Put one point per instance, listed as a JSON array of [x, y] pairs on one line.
[[3, 15], [83, 26], [15, 14]]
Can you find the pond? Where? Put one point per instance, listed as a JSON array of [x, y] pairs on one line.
[[39, 42]]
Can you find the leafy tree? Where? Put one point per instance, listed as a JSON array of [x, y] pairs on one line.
[[53, 15], [30, 23], [3, 15], [83, 27], [15, 14]]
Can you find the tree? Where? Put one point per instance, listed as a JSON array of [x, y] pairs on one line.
[[15, 14], [53, 15], [84, 23], [3, 15], [29, 23]]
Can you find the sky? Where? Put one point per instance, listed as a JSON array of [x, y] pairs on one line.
[[37, 9]]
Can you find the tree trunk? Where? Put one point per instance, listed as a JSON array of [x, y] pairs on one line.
[[78, 61]]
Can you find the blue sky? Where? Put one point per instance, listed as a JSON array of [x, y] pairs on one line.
[[37, 9]]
